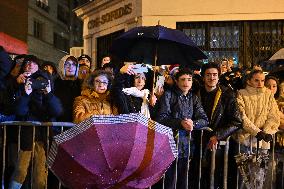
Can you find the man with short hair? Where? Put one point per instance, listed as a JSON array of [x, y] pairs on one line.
[[222, 110], [181, 110]]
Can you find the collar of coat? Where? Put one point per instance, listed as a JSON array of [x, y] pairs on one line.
[[92, 94], [253, 90], [179, 91]]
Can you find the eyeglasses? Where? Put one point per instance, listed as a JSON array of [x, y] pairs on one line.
[[98, 82], [69, 64]]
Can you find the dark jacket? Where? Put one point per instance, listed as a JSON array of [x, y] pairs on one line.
[[225, 118], [36, 107], [125, 103], [174, 107], [67, 91]]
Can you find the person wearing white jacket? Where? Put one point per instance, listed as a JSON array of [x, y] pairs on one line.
[[259, 112]]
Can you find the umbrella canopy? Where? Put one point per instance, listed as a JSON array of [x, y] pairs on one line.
[[171, 46], [124, 151], [253, 169], [278, 55]]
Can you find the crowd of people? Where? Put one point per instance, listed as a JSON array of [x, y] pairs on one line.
[[244, 104]]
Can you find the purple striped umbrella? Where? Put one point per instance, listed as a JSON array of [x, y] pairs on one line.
[[105, 151]]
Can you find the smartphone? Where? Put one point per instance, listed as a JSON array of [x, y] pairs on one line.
[[140, 68]]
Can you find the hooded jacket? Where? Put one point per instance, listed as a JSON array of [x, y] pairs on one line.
[[66, 89]]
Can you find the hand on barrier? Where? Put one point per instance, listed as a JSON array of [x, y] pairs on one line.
[[268, 138], [260, 135]]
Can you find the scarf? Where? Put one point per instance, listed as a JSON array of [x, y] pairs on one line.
[[133, 91]]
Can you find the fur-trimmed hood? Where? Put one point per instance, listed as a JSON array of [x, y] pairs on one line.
[[61, 69]]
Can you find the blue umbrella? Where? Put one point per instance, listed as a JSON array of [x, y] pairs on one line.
[[156, 45]]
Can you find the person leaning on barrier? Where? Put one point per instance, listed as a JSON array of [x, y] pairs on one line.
[[259, 112], [95, 97], [260, 115], [181, 110], [34, 102], [222, 110]]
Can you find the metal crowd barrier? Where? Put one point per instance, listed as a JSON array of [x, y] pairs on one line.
[[6, 148], [7, 159]]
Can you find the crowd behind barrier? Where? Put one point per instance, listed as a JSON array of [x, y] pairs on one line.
[[215, 98], [10, 149]]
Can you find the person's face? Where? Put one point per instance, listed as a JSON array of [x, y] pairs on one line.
[[105, 60], [169, 80], [70, 68], [49, 69], [224, 67], [257, 67], [85, 61], [211, 77], [272, 85], [184, 83], [83, 71], [281, 89], [139, 81], [100, 84], [257, 80], [15, 71], [31, 67]]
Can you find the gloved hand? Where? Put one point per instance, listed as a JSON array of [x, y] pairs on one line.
[[268, 138], [47, 88], [28, 87], [260, 135]]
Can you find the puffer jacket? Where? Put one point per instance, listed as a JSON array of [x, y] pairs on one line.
[[225, 118], [259, 111], [174, 107], [91, 103]]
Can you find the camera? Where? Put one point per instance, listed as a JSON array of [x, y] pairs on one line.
[[39, 81]]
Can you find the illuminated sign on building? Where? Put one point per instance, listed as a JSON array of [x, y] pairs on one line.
[[110, 16]]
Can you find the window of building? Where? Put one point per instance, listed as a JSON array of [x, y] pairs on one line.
[[60, 42], [246, 42], [43, 4], [63, 14], [38, 29]]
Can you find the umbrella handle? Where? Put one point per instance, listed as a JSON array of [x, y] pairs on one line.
[[257, 149]]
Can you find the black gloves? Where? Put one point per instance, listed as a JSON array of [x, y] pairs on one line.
[[263, 136], [268, 138]]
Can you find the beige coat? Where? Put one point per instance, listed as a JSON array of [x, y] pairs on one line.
[[259, 111], [91, 103]]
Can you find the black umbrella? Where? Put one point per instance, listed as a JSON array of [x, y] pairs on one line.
[[156, 45]]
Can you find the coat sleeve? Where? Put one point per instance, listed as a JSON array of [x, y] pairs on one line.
[[79, 110], [248, 126], [54, 106], [233, 120], [273, 118], [200, 119], [22, 106], [119, 98], [164, 115]]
